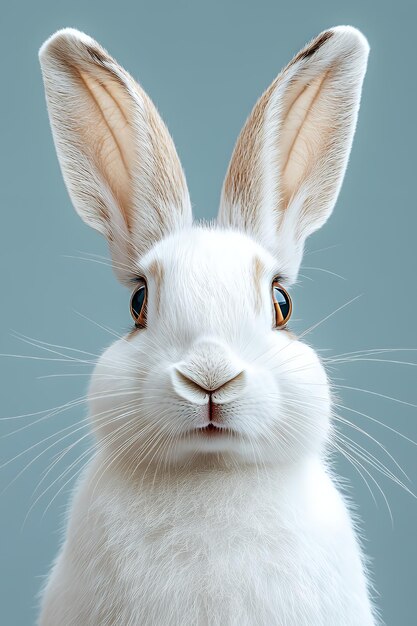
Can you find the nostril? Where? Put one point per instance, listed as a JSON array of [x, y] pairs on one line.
[[237, 381], [188, 388], [190, 383], [230, 389]]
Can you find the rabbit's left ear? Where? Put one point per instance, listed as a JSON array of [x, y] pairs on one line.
[[289, 161]]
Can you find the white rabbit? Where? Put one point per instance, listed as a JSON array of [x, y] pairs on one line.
[[209, 500]]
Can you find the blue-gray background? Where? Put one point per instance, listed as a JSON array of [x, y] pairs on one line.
[[204, 64]]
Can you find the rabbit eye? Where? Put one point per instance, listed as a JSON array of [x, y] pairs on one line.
[[282, 304], [138, 305]]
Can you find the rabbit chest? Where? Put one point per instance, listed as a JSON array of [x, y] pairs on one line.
[[211, 548]]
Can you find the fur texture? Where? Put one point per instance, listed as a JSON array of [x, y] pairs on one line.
[[170, 525]]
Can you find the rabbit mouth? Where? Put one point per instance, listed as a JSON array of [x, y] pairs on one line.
[[213, 430]]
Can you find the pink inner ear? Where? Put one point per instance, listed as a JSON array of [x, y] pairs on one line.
[[110, 137], [302, 134]]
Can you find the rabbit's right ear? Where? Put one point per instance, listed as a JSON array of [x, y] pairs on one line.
[[290, 158], [117, 157]]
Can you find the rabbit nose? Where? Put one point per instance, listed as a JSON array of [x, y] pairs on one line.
[[194, 390], [209, 372]]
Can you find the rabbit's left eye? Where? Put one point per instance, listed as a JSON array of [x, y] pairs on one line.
[[138, 305], [282, 304]]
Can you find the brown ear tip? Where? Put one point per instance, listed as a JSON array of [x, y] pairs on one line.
[[96, 53], [314, 46], [344, 40]]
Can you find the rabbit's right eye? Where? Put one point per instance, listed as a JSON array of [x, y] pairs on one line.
[[138, 305]]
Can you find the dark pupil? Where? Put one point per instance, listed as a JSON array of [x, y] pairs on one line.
[[282, 301], [138, 300]]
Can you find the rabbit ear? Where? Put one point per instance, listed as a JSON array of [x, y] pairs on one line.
[[288, 164], [117, 157]]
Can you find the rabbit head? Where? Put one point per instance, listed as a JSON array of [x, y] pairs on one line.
[[210, 369]]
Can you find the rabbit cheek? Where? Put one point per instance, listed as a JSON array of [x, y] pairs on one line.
[[305, 421]]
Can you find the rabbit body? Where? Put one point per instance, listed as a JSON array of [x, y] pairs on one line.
[[208, 501], [209, 547]]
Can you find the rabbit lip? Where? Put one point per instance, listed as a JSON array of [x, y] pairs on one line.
[[213, 430]]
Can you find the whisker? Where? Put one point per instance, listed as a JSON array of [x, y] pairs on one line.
[[321, 269], [376, 421], [375, 393]]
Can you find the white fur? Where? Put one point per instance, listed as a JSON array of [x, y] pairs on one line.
[[169, 527]]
